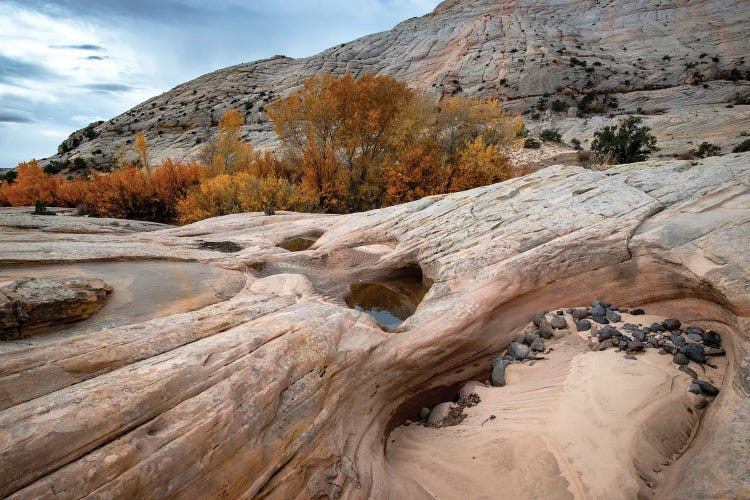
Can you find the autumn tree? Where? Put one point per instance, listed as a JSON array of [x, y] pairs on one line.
[[30, 185], [141, 149], [227, 152]]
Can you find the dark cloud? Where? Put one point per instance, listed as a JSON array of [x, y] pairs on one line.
[[12, 70], [14, 117], [107, 88], [85, 46], [97, 58]]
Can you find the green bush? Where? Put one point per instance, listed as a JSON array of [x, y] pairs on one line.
[[532, 143], [707, 149], [576, 144], [550, 135], [559, 106], [742, 147], [10, 176], [628, 142]]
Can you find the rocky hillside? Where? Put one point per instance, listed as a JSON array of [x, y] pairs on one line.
[[681, 64]]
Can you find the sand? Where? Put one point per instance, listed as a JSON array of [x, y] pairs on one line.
[[580, 424]]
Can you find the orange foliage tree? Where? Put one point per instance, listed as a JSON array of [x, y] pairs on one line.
[[31, 185]]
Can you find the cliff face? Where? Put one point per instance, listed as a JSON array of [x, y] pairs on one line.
[[673, 60]]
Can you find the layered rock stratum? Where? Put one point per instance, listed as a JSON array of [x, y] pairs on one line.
[[282, 391], [670, 63]]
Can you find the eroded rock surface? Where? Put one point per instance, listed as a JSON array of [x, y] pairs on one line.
[[282, 391], [31, 304]]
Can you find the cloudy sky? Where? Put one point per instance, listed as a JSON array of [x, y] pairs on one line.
[[66, 63]]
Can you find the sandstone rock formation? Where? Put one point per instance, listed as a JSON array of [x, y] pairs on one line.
[[671, 62], [31, 304], [284, 392]]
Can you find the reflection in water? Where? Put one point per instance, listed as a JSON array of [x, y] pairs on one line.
[[388, 301], [298, 244]]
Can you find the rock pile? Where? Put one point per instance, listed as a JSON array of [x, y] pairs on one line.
[[30, 304]]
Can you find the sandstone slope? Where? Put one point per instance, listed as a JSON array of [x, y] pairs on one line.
[[283, 392], [653, 57]]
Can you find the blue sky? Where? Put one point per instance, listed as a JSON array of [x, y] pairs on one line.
[[66, 63]]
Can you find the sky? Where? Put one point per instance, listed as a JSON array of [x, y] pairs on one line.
[[67, 63]]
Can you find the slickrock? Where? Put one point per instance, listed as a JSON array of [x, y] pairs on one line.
[[284, 392], [672, 63], [31, 304]]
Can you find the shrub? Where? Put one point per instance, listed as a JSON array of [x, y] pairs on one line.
[[707, 149], [576, 144], [10, 176], [532, 143], [742, 147], [541, 104], [550, 135], [628, 142], [559, 106]]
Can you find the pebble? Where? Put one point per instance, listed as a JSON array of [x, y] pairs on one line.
[[439, 413], [670, 348], [638, 312], [424, 413], [630, 356], [694, 337]]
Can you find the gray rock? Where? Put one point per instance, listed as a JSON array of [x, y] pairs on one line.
[[670, 348], [672, 324], [558, 322], [583, 325], [520, 337], [518, 351], [689, 371], [530, 336], [657, 327], [439, 414], [580, 313], [608, 332], [707, 388], [695, 388], [468, 390], [677, 339], [606, 344], [630, 356], [680, 359], [600, 319], [696, 330], [597, 311], [538, 345], [498, 371], [694, 337], [712, 351], [638, 312], [701, 401], [424, 413], [635, 346], [695, 352], [613, 316], [639, 335]]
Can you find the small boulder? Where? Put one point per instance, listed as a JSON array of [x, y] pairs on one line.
[[613, 316], [695, 388], [558, 323], [672, 324], [600, 319], [439, 414], [657, 327], [670, 348], [680, 359], [498, 371], [712, 339], [518, 351], [689, 371], [639, 335], [630, 356], [635, 346], [597, 310], [580, 313], [694, 337], [606, 344], [468, 392], [694, 352], [695, 330], [538, 345], [520, 337], [530, 335], [701, 401], [424, 413], [607, 333], [713, 351], [707, 388], [638, 312], [677, 339], [583, 325]]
